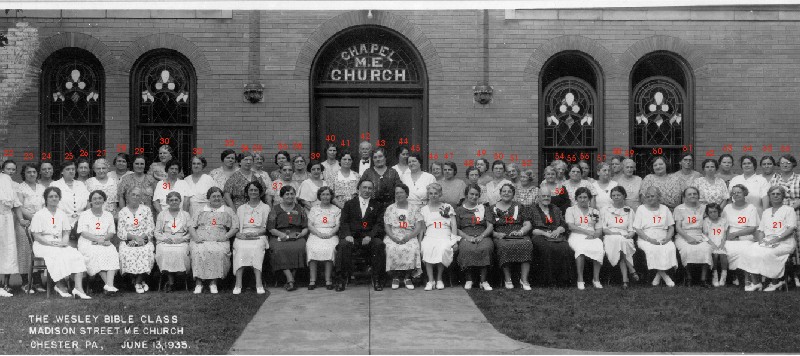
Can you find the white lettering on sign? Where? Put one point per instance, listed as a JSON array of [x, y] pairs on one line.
[[368, 62], [373, 75]]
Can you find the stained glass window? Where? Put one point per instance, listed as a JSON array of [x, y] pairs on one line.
[[569, 121]]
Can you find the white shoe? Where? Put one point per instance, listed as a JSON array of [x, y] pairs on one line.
[[486, 286], [139, 288], [468, 285], [525, 285], [714, 282], [657, 280], [597, 284], [79, 294], [581, 285], [509, 285], [198, 288], [213, 289], [429, 286], [236, 290], [260, 290], [736, 282], [108, 288], [439, 285], [145, 287], [409, 284], [4, 293], [796, 282], [774, 286], [62, 293], [755, 287], [723, 278], [668, 281]]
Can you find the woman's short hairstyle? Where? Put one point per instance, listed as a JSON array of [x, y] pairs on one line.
[[472, 168], [685, 154], [496, 162], [726, 155], [513, 188], [98, 161], [124, 156], [295, 158], [656, 158], [515, 166], [286, 189], [376, 150], [313, 163], [416, 156], [243, 155], [341, 153], [485, 162], [744, 189], [472, 186], [435, 186], [573, 166], [212, 190], [169, 149], [26, 167], [583, 190], [64, 165], [202, 160], [256, 184], [683, 194], [173, 194], [767, 158], [779, 188], [709, 160], [322, 190], [714, 206], [654, 188], [141, 157], [226, 153], [284, 164], [51, 189], [789, 158], [285, 154], [750, 158], [528, 173], [399, 150], [171, 163], [102, 194], [618, 158], [402, 186], [549, 168], [600, 165], [435, 164], [82, 160], [620, 189]]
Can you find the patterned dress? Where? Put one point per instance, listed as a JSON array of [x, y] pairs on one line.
[[526, 196], [98, 257], [173, 256], [572, 188], [289, 254], [32, 200], [343, 187], [250, 253], [632, 188], [473, 223], [716, 192], [671, 188], [211, 251], [691, 221], [109, 187], [510, 250], [220, 176], [402, 222], [146, 183], [437, 245], [325, 220], [136, 259], [235, 187]]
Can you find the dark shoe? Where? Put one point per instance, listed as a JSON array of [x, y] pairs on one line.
[[634, 277], [168, 288], [340, 287], [312, 286], [329, 286], [290, 286], [704, 284], [378, 286]]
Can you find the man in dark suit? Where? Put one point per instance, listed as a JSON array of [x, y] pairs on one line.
[[384, 179], [362, 229]]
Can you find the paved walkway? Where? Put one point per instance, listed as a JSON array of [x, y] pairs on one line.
[[361, 321]]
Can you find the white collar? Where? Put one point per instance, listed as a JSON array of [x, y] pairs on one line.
[[363, 201], [221, 209]]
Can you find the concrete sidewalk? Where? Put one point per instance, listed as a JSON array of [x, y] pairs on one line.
[[361, 321]]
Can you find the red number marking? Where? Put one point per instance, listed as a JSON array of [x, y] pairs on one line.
[[692, 219], [404, 224], [476, 220], [747, 148], [727, 148], [47, 156], [8, 153], [365, 136], [138, 150], [163, 141], [559, 191], [54, 220], [97, 226], [548, 220], [509, 219], [584, 220], [601, 157], [481, 153], [527, 163], [433, 156], [742, 220], [499, 155], [710, 153], [84, 153], [197, 151], [449, 155], [656, 219], [100, 153], [258, 148], [469, 162], [174, 225], [283, 146], [121, 147], [619, 219], [165, 185], [324, 219], [27, 156], [69, 156], [230, 143], [658, 151], [416, 148], [314, 155], [437, 224], [402, 141], [246, 148], [135, 222], [213, 221], [585, 156], [777, 224], [364, 224], [688, 148], [330, 138], [766, 148], [717, 231], [786, 148], [618, 150], [277, 185], [381, 143], [252, 221], [345, 143]]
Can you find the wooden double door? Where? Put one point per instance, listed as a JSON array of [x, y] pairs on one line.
[[385, 122]]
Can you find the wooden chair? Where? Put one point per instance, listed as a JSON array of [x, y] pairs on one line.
[[37, 264]]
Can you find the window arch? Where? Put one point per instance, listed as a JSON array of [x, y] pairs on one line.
[[571, 109], [72, 98], [163, 104], [661, 110]]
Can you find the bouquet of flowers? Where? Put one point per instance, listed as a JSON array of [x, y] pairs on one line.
[[445, 211]]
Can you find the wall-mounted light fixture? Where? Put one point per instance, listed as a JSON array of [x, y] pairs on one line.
[[254, 93], [483, 93], [3, 40]]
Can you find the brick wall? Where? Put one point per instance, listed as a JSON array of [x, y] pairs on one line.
[[745, 74]]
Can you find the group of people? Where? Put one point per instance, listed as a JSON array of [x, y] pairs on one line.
[[399, 219]]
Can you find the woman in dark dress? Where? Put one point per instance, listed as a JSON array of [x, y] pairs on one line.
[[512, 240], [558, 193], [288, 225], [552, 257], [476, 247]]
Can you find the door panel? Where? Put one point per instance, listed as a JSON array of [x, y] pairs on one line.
[[340, 121], [396, 119]]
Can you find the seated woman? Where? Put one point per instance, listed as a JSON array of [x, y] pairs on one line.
[[172, 240], [401, 221], [552, 256], [136, 227], [473, 176], [96, 227], [584, 237], [655, 226], [476, 247], [775, 242], [689, 238], [743, 219], [50, 228], [323, 224], [440, 235], [250, 245], [211, 229], [512, 243], [172, 183], [617, 223], [288, 225]]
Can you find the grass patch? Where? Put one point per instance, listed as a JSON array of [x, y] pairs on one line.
[[211, 323], [646, 319]]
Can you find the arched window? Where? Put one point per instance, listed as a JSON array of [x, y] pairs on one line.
[[571, 109], [661, 115], [71, 102], [163, 104]]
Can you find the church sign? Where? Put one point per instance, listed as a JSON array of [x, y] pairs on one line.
[[370, 63]]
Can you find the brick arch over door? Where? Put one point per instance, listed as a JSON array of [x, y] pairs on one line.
[[687, 51], [546, 50], [79, 40], [168, 41], [433, 63]]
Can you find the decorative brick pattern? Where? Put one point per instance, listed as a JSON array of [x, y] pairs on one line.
[[15, 74]]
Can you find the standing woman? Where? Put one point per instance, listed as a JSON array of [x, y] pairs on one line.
[[576, 181], [584, 237], [74, 196], [288, 226], [309, 188], [712, 188], [655, 226], [222, 173], [120, 168], [512, 173], [158, 169], [199, 183], [553, 258], [756, 185], [436, 170], [417, 181], [31, 198], [173, 183], [789, 180], [96, 227], [211, 230], [669, 187], [345, 180], [527, 189], [440, 235], [586, 171], [498, 181], [743, 218], [323, 224], [235, 193], [137, 179], [258, 167], [46, 170], [482, 164], [561, 168], [687, 174], [9, 206], [331, 164], [101, 181], [452, 187], [616, 221], [632, 183], [285, 180], [402, 153], [725, 168], [251, 245], [136, 227], [768, 168], [280, 158], [616, 167], [689, 239], [476, 247], [172, 237], [51, 228], [84, 171], [555, 189], [512, 243], [300, 169], [602, 186], [473, 177]]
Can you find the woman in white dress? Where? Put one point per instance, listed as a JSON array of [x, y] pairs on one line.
[[307, 194], [402, 153], [440, 235], [31, 196], [602, 186], [102, 181], [199, 183], [323, 224], [632, 183], [655, 226], [50, 227], [775, 242], [584, 237], [172, 240], [96, 227], [401, 222], [135, 231], [46, 171], [616, 221], [497, 182], [250, 244], [172, 183], [83, 171], [121, 168], [689, 239], [9, 206], [330, 163], [576, 181], [417, 181], [743, 218], [74, 196], [755, 184]]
